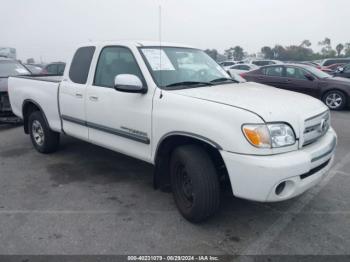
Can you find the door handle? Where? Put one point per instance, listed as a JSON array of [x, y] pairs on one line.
[[93, 98], [78, 95]]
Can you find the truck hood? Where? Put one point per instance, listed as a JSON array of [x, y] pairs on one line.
[[271, 104]]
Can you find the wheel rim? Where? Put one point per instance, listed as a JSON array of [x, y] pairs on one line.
[[38, 133], [334, 100], [184, 186]]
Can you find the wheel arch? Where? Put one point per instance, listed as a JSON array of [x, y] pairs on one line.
[[334, 89], [29, 106], [169, 142]]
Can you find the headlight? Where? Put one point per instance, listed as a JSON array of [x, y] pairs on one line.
[[269, 135]]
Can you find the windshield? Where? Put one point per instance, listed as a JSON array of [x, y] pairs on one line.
[[317, 72], [172, 66], [12, 68]]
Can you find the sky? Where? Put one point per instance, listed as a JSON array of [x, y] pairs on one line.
[[50, 30]]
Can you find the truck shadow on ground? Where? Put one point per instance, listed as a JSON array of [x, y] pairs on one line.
[[6, 126]]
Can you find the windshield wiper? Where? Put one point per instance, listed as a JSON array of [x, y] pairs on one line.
[[223, 79], [190, 83]]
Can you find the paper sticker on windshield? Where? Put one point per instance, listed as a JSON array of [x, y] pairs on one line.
[[21, 71], [158, 59]]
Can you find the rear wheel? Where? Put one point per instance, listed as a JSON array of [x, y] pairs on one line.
[[335, 100], [43, 138], [194, 182]]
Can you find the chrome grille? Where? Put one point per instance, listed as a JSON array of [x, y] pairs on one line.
[[316, 127]]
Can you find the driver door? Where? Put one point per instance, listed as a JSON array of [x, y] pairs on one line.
[[118, 120]]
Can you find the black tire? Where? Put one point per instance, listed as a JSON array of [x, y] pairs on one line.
[[51, 139], [331, 96], [195, 184]]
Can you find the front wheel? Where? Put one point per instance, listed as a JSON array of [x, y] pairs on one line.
[[43, 138], [194, 182], [335, 100]]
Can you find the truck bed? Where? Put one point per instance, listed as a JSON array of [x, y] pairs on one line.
[[40, 90]]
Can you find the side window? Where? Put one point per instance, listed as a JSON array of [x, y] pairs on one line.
[[79, 69], [113, 61], [347, 69], [294, 72], [345, 61], [329, 62], [61, 69], [274, 71], [52, 69], [244, 67]]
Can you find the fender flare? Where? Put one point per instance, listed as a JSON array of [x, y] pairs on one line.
[[27, 101]]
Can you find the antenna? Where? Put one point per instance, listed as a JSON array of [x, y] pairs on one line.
[[160, 24], [160, 43]]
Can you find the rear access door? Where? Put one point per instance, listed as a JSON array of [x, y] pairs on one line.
[[72, 94]]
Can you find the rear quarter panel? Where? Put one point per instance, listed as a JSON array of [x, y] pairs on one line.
[[42, 93]]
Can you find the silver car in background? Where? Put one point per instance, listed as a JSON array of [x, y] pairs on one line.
[[8, 67]]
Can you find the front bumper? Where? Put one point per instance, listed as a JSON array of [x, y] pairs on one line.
[[257, 177]]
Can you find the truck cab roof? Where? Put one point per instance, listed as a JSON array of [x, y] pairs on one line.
[[137, 43]]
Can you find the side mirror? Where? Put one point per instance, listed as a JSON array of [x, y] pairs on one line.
[[129, 83], [310, 77], [340, 69]]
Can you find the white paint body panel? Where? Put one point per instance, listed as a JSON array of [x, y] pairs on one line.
[[214, 113], [44, 93]]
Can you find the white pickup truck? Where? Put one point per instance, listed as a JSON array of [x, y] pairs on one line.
[[174, 107]]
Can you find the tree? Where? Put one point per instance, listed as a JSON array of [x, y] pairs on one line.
[[339, 49], [325, 42], [327, 50], [305, 43], [229, 53], [267, 52], [347, 49], [238, 53], [30, 61], [298, 53], [279, 52], [213, 53]]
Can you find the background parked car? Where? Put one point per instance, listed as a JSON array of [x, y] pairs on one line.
[[227, 64], [34, 69], [8, 67], [265, 62], [331, 61], [333, 91], [56, 68], [343, 71], [331, 68], [241, 68]]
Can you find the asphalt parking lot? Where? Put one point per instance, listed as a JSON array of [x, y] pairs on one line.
[[87, 200]]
